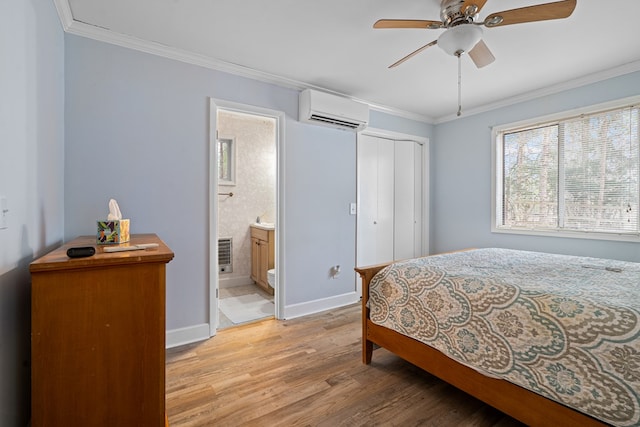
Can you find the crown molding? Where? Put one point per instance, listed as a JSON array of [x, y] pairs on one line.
[[72, 26], [105, 35], [400, 113], [64, 12], [621, 70]]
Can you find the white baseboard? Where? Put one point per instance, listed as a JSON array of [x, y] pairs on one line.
[[188, 335], [312, 307], [230, 282]]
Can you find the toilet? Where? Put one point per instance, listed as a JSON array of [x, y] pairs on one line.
[[271, 277]]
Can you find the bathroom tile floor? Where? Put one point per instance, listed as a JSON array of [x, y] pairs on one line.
[[236, 291]]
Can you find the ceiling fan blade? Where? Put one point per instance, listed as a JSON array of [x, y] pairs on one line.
[[476, 4], [414, 53], [541, 12], [481, 55], [407, 23]]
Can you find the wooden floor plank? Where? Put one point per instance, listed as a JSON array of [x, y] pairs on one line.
[[308, 372]]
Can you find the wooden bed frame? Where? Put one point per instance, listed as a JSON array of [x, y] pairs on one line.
[[524, 405]]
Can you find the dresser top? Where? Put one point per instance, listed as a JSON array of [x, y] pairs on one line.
[[58, 259]]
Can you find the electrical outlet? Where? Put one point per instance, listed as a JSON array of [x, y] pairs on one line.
[[335, 271], [353, 209]]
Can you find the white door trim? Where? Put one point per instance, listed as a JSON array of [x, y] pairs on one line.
[[279, 117]]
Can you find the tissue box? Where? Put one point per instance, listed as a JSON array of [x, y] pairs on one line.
[[113, 232]]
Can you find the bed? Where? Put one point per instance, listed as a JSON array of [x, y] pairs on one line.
[[548, 339]]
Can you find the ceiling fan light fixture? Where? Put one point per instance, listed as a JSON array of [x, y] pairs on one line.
[[493, 21], [471, 10], [460, 39]]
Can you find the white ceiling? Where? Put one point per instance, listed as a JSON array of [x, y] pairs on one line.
[[330, 44]]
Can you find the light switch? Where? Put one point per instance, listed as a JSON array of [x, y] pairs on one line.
[[352, 209], [4, 212]]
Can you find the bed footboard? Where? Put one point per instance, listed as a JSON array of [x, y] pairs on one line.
[[367, 273], [505, 396]]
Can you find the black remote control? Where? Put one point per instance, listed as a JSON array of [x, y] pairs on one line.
[[81, 252]]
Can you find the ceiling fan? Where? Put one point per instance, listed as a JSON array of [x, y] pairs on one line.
[[464, 35]]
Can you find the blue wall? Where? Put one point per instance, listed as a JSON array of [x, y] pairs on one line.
[[84, 121], [31, 178], [461, 176], [137, 130]]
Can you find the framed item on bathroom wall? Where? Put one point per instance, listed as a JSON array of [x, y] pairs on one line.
[[226, 161]]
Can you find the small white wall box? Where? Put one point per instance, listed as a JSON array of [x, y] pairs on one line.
[[331, 110]]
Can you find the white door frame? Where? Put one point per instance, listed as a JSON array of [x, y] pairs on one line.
[[214, 280], [396, 136]]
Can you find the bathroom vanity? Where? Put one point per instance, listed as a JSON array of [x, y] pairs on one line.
[[262, 254]]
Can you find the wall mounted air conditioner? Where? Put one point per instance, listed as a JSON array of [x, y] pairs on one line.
[[331, 110]]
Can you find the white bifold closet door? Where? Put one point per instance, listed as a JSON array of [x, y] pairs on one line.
[[407, 216], [389, 224]]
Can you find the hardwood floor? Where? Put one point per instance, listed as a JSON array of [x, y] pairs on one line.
[[308, 372]]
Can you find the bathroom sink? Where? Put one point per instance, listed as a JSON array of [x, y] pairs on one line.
[[264, 225]]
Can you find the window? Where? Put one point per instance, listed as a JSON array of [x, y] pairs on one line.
[[575, 176], [226, 161]]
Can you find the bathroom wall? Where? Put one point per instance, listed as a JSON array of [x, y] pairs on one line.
[[254, 192]]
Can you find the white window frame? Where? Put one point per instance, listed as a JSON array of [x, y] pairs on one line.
[[232, 161], [497, 176]]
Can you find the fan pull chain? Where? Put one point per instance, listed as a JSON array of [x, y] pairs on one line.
[[459, 55]]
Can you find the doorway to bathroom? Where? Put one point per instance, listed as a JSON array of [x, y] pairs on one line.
[[245, 163]]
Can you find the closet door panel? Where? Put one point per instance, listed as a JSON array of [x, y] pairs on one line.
[[390, 200], [386, 188], [404, 206], [371, 240], [418, 199]]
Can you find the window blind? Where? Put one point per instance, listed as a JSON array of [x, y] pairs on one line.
[[577, 174], [530, 177], [601, 171]]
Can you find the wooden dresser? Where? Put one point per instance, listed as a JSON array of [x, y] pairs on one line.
[[98, 336]]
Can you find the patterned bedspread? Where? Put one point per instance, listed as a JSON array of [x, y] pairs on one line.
[[562, 326]]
